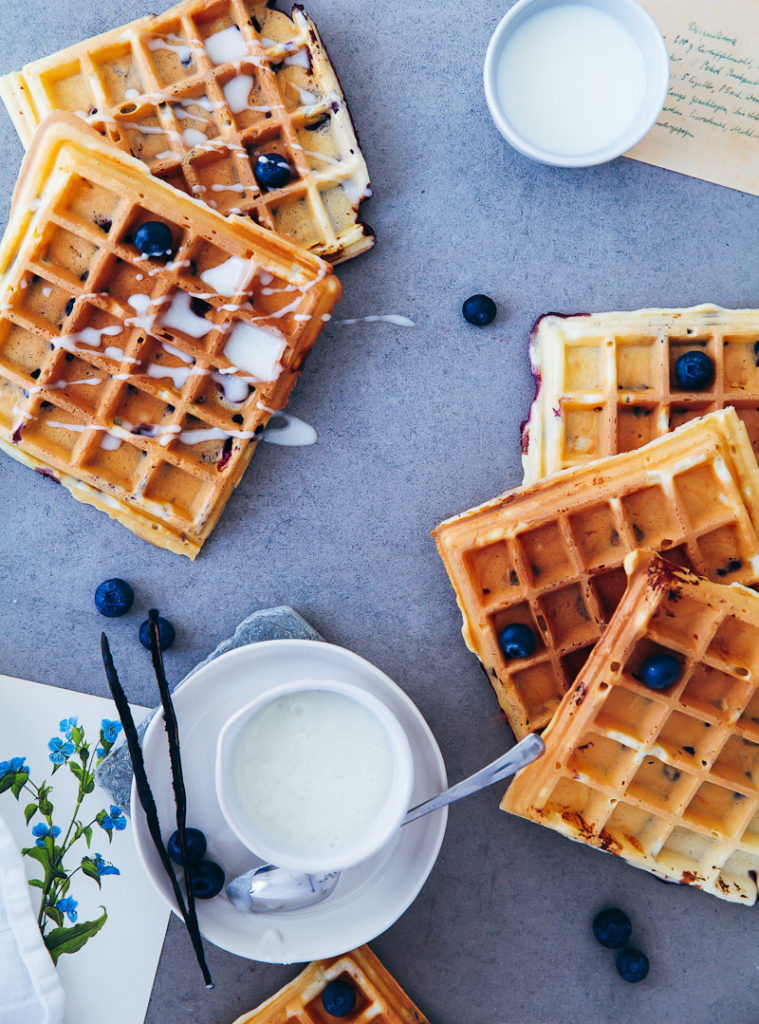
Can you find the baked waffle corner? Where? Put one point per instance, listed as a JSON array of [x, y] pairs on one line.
[[142, 385], [378, 996], [667, 779]]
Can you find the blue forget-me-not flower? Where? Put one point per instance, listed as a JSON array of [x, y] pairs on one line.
[[103, 868], [68, 907], [60, 750], [41, 830], [115, 819]]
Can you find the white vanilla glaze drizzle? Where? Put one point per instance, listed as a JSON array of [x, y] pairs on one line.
[[255, 351], [173, 43], [237, 91], [227, 45], [235, 390], [390, 318], [230, 277], [293, 433], [180, 317]]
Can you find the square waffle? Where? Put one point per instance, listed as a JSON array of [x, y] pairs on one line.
[[199, 93], [606, 382], [550, 555], [379, 997], [140, 384], [667, 779]]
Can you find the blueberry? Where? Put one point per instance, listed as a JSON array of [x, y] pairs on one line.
[[339, 998], [517, 641], [694, 371], [154, 239], [114, 598], [612, 928], [196, 846], [272, 170], [479, 310], [206, 879], [632, 965], [660, 671], [166, 633]]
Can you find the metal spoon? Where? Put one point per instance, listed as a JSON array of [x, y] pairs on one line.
[[268, 889]]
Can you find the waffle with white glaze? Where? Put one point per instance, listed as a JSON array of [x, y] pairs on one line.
[[667, 779], [605, 383], [550, 555], [379, 997], [199, 93], [140, 384]]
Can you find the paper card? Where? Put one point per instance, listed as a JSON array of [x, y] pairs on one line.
[[709, 127], [118, 964]]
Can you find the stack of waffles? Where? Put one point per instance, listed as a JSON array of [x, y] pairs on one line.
[[142, 383], [624, 469], [366, 992]]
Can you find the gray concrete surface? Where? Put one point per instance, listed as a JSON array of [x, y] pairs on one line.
[[414, 425]]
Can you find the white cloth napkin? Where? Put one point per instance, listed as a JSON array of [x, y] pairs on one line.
[[30, 992]]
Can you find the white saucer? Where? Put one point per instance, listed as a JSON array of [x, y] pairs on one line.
[[369, 897]]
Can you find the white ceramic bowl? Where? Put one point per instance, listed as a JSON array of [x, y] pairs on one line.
[[645, 32], [379, 832]]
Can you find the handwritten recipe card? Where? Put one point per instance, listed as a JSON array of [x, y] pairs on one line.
[[709, 127]]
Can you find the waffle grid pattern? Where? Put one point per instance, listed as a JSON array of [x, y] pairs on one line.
[[110, 396], [667, 779], [551, 555], [379, 998], [607, 381], [200, 120]]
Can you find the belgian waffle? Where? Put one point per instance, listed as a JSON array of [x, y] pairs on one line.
[[550, 555], [199, 93], [139, 384], [379, 997], [606, 382], [667, 779]]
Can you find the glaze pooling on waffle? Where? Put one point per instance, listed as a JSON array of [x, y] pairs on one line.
[[199, 93], [606, 382], [379, 997], [142, 384], [550, 555], [667, 779]]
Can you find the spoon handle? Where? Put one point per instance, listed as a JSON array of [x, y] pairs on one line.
[[527, 750]]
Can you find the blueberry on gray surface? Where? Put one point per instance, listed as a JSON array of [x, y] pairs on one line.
[[479, 310], [517, 641], [660, 671], [206, 879], [272, 170], [632, 965], [166, 633], [694, 371], [153, 238], [114, 598], [339, 998], [196, 846], [612, 928]]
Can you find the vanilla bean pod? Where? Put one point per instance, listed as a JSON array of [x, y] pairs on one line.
[[147, 801], [175, 757]]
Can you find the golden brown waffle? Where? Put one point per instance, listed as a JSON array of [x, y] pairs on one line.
[[199, 108], [550, 555], [379, 997], [606, 382], [667, 779], [139, 384]]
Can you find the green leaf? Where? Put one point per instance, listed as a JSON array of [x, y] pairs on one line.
[[29, 811], [55, 915], [46, 807], [88, 835], [70, 940], [64, 885], [75, 769], [89, 785], [6, 782], [37, 883], [77, 735], [90, 870], [19, 781]]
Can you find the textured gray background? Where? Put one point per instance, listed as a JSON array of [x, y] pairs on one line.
[[414, 425]]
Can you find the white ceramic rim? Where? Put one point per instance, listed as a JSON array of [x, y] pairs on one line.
[[384, 888], [388, 818], [657, 76]]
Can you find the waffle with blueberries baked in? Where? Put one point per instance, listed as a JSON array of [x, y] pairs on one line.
[[611, 382], [229, 100], [145, 340], [653, 754], [538, 571]]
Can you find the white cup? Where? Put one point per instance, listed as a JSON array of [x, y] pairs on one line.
[[377, 832], [644, 31]]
